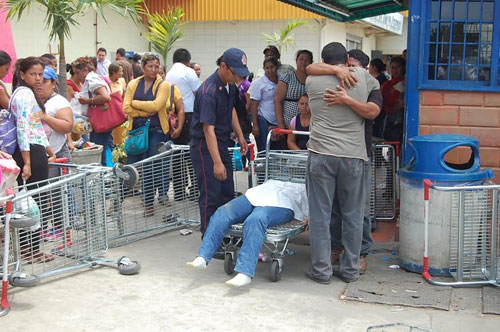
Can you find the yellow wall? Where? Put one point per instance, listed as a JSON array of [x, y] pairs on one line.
[[227, 10]]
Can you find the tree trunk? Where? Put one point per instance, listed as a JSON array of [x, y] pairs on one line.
[[63, 90]]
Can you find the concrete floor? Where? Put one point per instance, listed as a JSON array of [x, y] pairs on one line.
[[166, 296]]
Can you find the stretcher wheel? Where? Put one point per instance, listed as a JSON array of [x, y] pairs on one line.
[[19, 279], [128, 267], [276, 270], [229, 263], [20, 221], [128, 174]]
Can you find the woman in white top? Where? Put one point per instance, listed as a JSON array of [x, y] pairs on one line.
[[57, 119], [262, 93], [33, 151]]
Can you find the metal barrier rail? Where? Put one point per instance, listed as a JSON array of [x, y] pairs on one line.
[[398, 327], [151, 196], [163, 198], [474, 234], [385, 184]]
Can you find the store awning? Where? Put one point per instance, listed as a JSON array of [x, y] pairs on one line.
[[350, 10]]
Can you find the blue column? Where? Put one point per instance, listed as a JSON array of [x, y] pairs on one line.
[[414, 68]]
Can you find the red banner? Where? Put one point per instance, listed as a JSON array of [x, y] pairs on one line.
[[7, 40]]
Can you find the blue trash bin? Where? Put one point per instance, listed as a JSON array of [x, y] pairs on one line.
[[429, 163]]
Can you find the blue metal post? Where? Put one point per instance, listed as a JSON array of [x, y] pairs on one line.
[[414, 65]]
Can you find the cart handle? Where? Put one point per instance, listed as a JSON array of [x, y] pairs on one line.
[[278, 131], [63, 160], [488, 186]]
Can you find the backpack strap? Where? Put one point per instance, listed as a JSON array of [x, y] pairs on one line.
[[13, 95]]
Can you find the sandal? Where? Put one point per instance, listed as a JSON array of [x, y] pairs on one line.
[[30, 259], [40, 257]]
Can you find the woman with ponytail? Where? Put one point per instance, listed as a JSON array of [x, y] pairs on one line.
[[33, 151]]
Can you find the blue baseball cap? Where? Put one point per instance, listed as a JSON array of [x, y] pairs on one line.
[[236, 59], [49, 73]]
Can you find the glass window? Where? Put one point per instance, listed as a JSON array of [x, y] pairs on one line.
[[460, 43], [460, 10], [353, 43]]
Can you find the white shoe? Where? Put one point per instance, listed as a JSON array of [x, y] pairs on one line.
[[198, 263], [239, 280]]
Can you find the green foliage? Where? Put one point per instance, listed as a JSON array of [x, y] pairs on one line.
[[285, 38], [62, 15], [165, 29], [119, 154]]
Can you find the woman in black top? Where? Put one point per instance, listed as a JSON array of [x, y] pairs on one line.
[[301, 123], [377, 69]]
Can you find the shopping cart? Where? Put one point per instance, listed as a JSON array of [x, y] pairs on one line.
[[74, 206], [282, 166], [385, 182], [474, 234]]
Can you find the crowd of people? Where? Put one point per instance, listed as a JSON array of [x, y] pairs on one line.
[[336, 101], [342, 102]]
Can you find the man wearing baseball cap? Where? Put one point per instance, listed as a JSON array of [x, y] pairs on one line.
[[272, 51], [213, 120]]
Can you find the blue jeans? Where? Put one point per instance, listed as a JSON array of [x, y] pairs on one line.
[[155, 174], [104, 139], [256, 220], [261, 140]]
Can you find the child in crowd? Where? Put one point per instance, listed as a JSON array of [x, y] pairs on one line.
[[300, 122]]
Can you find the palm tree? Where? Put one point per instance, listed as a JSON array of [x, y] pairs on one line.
[[285, 37], [62, 15], [164, 30]]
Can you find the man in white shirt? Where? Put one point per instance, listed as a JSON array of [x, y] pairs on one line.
[[102, 62], [187, 81], [269, 204]]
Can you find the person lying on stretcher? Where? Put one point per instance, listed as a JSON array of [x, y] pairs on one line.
[[269, 204]]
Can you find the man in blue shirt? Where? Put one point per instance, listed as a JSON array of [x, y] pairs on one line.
[[213, 120]]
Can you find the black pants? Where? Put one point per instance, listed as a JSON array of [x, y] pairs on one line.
[[180, 163], [213, 193], [39, 172]]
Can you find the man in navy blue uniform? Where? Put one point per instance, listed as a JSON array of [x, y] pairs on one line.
[[214, 118]]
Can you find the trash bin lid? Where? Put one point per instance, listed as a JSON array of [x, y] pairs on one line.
[[445, 138], [429, 161]]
